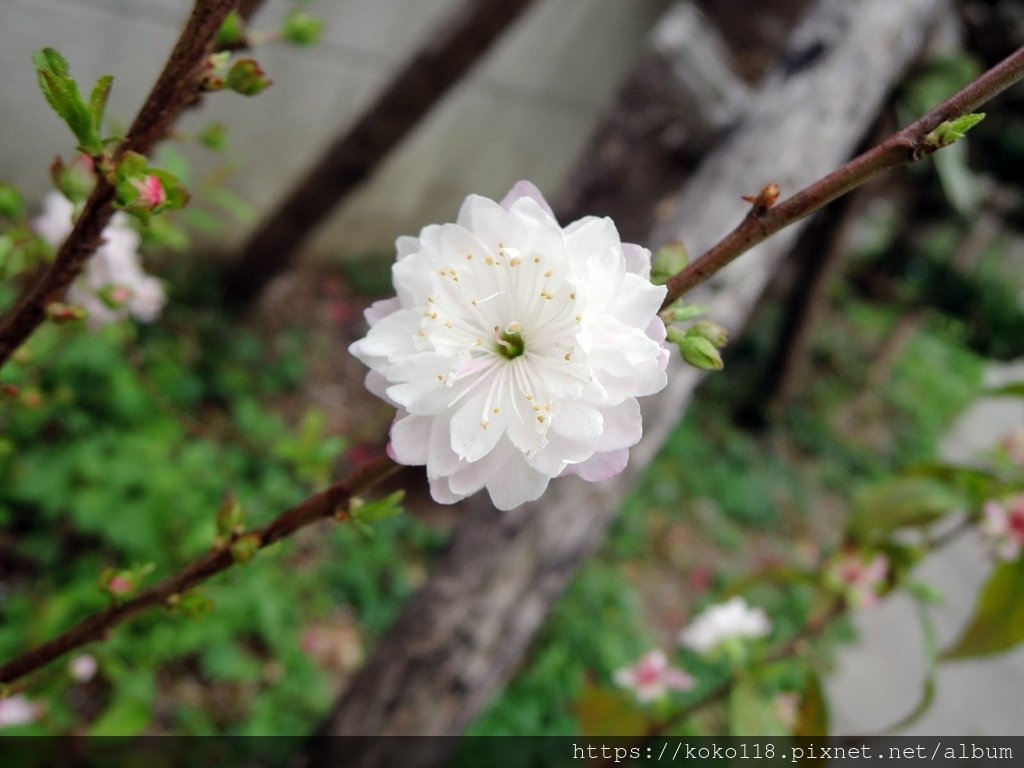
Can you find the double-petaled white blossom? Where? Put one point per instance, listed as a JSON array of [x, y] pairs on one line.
[[724, 622], [515, 349], [113, 284]]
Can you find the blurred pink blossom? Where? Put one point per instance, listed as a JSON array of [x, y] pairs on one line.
[[651, 678], [1003, 523]]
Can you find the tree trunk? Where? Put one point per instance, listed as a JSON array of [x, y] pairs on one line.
[[452, 49], [461, 637]]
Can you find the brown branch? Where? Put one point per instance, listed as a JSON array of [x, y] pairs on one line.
[[451, 50], [333, 501], [175, 89], [901, 148]]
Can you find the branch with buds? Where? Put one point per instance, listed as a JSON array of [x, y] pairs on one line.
[[177, 87], [941, 127], [338, 501]]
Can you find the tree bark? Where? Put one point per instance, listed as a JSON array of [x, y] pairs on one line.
[[452, 49], [461, 637]]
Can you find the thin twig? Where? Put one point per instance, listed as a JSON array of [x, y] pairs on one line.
[[333, 501], [175, 89], [905, 146]]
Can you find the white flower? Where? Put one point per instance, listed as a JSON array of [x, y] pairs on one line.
[[651, 678], [719, 623], [83, 668], [18, 710], [113, 283], [515, 349]]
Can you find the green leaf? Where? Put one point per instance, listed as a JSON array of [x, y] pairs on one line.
[[376, 511], [98, 100], [61, 92], [753, 713], [812, 718], [1016, 389], [904, 502], [998, 621], [602, 712]]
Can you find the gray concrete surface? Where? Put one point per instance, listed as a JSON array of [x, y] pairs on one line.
[[879, 680], [524, 113]]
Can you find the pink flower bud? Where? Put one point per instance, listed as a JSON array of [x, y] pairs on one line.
[[151, 192], [120, 585]]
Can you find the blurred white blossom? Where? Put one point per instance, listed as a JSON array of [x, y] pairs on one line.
[[515, 349], [112, 285], [18, 710], [83, 668], [723, 622]]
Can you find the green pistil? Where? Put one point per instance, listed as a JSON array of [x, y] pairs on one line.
[[509, 343]]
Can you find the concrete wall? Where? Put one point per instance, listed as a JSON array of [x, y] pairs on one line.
[[523, 114]]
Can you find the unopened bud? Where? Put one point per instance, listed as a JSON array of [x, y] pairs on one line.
[[59, 312], [231, 33], [230, 518], [244, 549], [302, 29], [696, 350], [76, 180], [669, 261], [11, 203], [114, 296], [248, 78], [214, 70], [711, 331]]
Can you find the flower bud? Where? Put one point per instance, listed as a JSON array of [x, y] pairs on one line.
[[302, 29], [669, 261], [696, 350], [230, 519], [76, 180], [215, 137], [213, 71], [244, 548], [711, 331], [248, 78], [232, 33], [61, 313], [11, 203]]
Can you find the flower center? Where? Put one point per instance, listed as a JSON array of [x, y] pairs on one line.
[[509, 343]]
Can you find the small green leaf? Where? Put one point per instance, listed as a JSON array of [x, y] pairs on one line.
[[904, 502], [376, 511], [998, 621], [98, 100], [1016, 389], [951, 131], [11, 203], [602, 712], [812, 718], [52, 59], [751, 712]]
